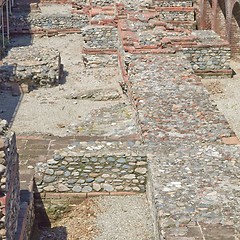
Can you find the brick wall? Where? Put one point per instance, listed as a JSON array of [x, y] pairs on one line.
[[220, 23], [235, 31]]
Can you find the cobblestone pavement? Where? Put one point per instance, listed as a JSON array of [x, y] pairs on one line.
[[193, 175]]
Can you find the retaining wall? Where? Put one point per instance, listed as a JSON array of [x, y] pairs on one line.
[[98, 37], [97, 168], [209, 53], [34, 22], [208, 58]]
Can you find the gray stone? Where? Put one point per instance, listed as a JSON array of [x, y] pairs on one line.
[[121, 160], [49, 171], [107, 187], [105, 175], [89, 180], [58, 157], [52, 162], [49, 179], [58, 173], [72, 180], [100, 180], [2, 169], [63, 188], [129, 176], [81, 181], [111, 159], [86, 189], [49, 188], [67, 174], [75, 174], [77, 188]]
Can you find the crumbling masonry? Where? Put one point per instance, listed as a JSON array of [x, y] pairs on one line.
[[178, 152]]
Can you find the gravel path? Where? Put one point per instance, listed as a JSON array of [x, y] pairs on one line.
[[124, 218]]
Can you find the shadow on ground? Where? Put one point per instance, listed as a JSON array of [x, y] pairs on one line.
[[43, 229]]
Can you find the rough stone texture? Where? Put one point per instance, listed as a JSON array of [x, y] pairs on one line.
[[176, 15], [186, 114], [212, 55], [87, 167], [176, 3], [32, 66], [196, 184], [100, 37], [9, 186], [100, 60], [38, 22], [103, 2], [193, 183]]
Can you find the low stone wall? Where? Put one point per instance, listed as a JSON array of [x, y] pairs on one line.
[[209, 53], [105, 167], [34, 22], [103, 2], [99, 37], [169, 15], [208, 58], [9, 187], [171, 3], [31, 65]]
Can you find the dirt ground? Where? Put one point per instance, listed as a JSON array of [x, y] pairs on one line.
[[62, 110], [103, 218], [225, 94]]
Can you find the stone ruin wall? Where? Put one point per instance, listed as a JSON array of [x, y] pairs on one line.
[[10, 185], [32, 66], [16, 216], [165, 27], [93, 169], [41, 24], [118, 172]]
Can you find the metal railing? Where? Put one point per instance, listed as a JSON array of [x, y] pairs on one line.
[[5, 11]]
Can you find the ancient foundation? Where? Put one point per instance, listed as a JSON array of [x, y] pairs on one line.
[[171, 143]]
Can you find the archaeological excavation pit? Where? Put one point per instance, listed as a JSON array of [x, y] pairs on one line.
[[117, 136]]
